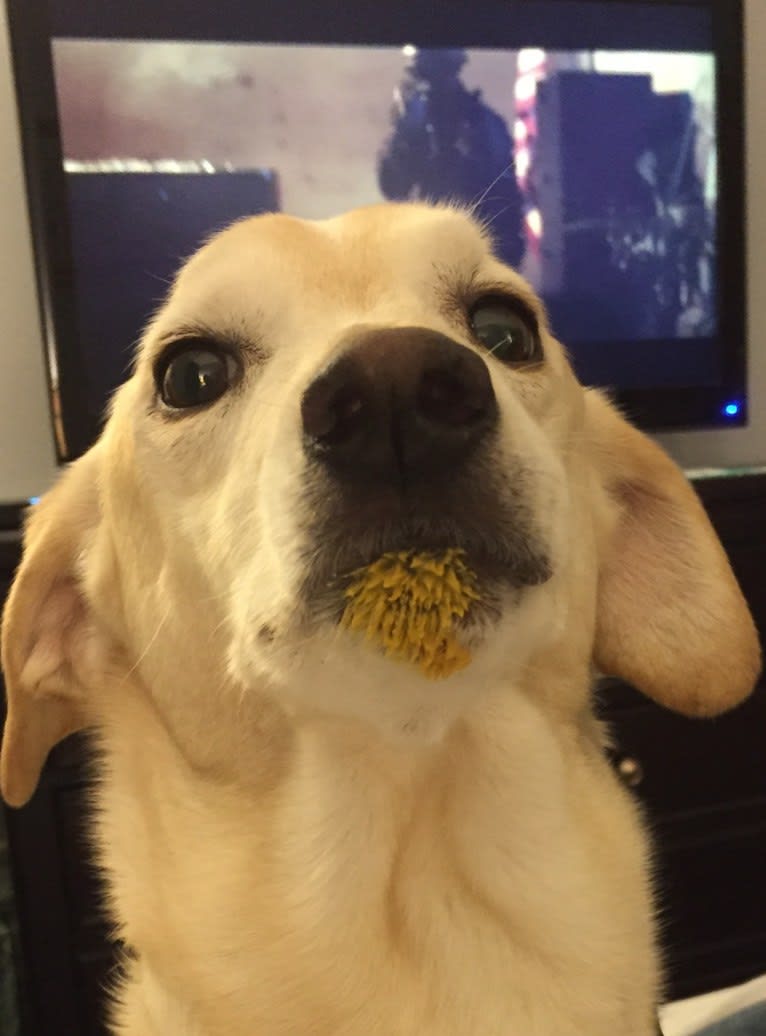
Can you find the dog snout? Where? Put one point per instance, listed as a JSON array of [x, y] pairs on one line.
[[398, 403]]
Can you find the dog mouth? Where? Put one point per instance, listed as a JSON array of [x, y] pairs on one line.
[[496, 542], [422, 591], [513, 564]]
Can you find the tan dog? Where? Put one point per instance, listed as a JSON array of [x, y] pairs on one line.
[[303, 836]]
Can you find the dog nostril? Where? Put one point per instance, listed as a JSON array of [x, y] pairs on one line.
[[332, 415], [447, 398], [345, 418]]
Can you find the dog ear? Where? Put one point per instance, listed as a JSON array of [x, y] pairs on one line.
[[47, 635], [671, 618]]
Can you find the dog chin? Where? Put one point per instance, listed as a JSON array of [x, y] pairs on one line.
[[313, 665]]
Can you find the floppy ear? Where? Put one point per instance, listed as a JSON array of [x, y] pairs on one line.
[[671, 618], [47, 636]]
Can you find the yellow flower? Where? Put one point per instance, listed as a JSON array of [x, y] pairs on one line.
[[408, 604]]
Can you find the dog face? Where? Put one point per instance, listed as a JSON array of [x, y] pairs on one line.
[[311, 396], [329, 447]]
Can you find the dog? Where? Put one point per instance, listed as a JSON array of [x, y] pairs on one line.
[[300, 834]]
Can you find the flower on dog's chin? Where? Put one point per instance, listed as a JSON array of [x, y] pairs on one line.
[[409, 603]]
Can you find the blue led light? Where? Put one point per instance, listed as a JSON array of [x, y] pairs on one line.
[[732, 409], [34, 500]]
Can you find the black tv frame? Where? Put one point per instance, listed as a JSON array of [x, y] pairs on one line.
[[32, 27]]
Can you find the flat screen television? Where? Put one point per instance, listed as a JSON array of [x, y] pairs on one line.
[[600, 140]]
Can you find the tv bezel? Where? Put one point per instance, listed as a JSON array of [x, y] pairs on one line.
[[76, 427]]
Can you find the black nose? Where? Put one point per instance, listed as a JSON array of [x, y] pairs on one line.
[[398, 403]]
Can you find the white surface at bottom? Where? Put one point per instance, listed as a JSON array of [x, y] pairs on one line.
[[689, 1016]]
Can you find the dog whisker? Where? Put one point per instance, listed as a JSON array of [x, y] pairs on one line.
[[152, 641], [474, 205]]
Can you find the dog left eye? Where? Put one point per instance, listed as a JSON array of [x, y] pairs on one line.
[[193, 374], [505, 332]]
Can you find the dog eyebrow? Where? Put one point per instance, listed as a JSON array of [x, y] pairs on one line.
[[235, 339]]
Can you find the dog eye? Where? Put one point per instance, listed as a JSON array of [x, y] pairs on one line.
[[505, 332], [194, 373]]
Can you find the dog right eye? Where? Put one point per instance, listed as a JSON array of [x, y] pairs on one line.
[[193, 374]]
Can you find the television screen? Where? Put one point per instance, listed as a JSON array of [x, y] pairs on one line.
[[588, 135]]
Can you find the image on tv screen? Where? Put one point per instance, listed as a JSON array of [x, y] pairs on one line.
[[595, 171]]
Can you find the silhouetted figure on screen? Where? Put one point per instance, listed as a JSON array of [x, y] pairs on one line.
[[448, 145]]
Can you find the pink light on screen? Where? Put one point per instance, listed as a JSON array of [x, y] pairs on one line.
[[523, 162], [526, 88], [530, 59], [535, 223]]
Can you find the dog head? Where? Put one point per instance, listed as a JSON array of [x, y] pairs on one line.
[[310, 397]]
